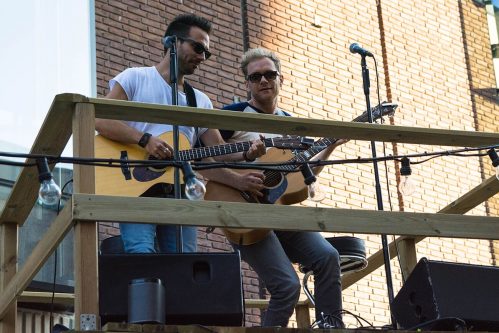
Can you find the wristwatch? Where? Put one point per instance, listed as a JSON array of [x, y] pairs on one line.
[[144, 140]]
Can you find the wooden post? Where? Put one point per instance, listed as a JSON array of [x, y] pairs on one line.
[[302, 315], [407, 254], [86, 237], [8, 268]]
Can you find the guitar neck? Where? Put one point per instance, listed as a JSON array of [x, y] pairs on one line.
[[229, 148], [318, 146], [203, 152]]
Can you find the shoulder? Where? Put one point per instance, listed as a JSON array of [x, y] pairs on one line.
[[202, 100], [281, 112], [227, 134], [236, 106], [132, 75], [135, 72]]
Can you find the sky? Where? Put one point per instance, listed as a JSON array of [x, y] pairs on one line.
[[47, 49]]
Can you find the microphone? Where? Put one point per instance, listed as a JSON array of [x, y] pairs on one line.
[[168, 41], [356, 48]]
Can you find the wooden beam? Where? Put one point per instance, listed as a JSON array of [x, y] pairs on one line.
[[86, 233], [465, 203], [42, 251], [8, 269], [243, 215], [181, 115], [51, 140], [46, 298]]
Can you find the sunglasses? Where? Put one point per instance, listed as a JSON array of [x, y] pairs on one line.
[[257, 77], [197, 46]]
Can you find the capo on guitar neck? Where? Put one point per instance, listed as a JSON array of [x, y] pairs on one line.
[[306, 141]]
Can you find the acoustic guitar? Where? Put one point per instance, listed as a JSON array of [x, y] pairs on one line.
[[128, 181], [281, 186]]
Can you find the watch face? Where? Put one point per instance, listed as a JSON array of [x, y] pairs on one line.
[[144, 140]]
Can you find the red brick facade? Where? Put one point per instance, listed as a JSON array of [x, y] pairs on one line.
[[434, 60]]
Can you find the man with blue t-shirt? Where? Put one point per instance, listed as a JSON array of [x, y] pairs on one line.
[[272, 256], [152, 85]]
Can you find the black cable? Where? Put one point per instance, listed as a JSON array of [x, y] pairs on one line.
[[52, 301], [116, 163], [386, 173], [460, 322]]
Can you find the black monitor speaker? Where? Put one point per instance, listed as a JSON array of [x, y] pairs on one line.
[[440, 293], [200, 288]]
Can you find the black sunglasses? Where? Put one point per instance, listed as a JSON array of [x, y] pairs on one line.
[[257, 77], [197, 46]]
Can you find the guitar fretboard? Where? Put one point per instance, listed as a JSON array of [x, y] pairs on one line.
[[203, 152], [317, 147]]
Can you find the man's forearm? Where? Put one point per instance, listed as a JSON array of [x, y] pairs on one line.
[[117, 130], [221, 175]]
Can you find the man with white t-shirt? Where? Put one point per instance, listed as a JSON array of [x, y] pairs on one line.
[[152, 85]]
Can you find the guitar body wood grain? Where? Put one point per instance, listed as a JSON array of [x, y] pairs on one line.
[[111, 181]]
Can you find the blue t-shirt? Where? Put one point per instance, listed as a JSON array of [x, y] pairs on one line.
[[236, 136]]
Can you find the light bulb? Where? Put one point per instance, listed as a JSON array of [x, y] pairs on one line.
[[50, 192], [194, 188], [407, 187], [315, 193]]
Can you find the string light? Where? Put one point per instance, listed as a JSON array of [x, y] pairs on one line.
[[49, 192], [194, 188], [495, 160], [309, 179], [407, 187]]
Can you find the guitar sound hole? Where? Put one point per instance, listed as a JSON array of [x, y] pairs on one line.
[[272, 179]]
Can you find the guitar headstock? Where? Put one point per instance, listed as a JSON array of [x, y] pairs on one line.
[[289, 142], [384, 109]]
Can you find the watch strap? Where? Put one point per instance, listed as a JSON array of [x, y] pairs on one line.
[[144, 140]]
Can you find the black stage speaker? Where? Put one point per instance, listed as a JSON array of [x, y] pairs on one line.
[[437, 290], [201, 288]]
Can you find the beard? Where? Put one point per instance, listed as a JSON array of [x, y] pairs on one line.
[[186, 69]]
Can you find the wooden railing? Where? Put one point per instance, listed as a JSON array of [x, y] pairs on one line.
[[75, 115]]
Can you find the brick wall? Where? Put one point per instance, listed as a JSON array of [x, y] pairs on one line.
[[436, 55]]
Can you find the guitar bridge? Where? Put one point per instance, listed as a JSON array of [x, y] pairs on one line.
[[125, 166]]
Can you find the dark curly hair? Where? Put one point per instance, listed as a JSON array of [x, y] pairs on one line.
[[181, 25]]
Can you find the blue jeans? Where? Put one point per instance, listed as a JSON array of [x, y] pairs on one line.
[[271, 259], [152, 238]]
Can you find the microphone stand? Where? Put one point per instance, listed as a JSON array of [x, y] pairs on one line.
[[384, 242], [176, 173]]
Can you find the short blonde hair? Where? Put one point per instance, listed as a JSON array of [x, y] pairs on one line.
[[258, 53]]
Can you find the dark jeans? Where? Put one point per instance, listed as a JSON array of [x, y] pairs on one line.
[[271, 259]]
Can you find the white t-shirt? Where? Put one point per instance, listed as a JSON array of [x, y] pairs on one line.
[[146, 85]]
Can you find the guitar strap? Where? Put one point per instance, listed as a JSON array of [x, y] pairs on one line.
[[191, 101], [190, 95]]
